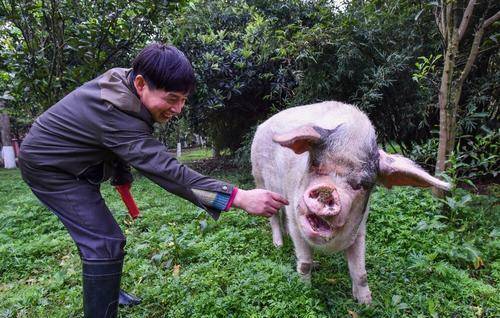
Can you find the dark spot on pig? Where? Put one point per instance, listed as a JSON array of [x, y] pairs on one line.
[[370, 166], [327, 133], [363, 282], [305, 268], [319, 150]]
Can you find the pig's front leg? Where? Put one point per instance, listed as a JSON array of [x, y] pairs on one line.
[[302, 252], [355, 255], [276, 230]]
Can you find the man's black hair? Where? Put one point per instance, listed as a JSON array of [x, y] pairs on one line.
[[165, 67]]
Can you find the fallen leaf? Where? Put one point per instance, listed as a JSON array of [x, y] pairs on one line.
[[331, 280], [353, 314], [478, 262], [177, 269]]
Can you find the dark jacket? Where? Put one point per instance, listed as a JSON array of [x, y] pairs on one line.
[[99, 128]]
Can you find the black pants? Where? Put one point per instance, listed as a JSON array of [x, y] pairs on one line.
[[81, 208]]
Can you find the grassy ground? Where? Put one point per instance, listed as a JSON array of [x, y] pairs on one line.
[[421, 261], [195, 154]]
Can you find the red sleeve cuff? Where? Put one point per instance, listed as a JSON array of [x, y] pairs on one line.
[[231, 199]]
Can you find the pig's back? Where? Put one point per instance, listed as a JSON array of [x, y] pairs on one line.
[[327, 115]]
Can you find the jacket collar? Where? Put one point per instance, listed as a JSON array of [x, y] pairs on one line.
[[117, 88]]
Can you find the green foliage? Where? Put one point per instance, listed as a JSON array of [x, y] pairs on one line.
[[53, 47], [475, 157], [421, 261], [242, 155], [478, 157], [174, 131], [196, 154], [368, 60], [252, 59], [425, 66], [462, 210], [242, 55], [425, 153]]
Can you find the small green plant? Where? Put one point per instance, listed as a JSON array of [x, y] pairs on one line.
[[424, 67]]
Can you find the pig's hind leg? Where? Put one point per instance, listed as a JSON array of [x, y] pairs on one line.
[[355, 255]]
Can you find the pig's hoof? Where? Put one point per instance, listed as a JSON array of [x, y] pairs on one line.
[[304, 270], [278, 243], [363, 296]]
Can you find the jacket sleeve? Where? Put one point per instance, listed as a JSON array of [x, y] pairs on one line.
[[131, 139]]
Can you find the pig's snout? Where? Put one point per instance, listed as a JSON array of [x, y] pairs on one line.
[[322, 200]]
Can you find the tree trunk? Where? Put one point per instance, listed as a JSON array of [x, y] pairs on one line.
[[452, 80], [447, 106], [8, 155]]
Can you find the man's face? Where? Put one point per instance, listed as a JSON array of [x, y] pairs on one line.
[[161, 104]]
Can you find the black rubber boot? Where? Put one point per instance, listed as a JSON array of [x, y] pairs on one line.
[[101, 287], [126, 299]]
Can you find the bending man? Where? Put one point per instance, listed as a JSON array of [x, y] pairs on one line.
[[96, 133]]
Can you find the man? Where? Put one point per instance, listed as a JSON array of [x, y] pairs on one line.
[[95, 133]]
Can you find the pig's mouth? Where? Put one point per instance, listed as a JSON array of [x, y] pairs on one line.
[[319, 225], [317, 228]]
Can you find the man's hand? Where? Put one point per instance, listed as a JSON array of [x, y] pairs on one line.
[[259, 202]]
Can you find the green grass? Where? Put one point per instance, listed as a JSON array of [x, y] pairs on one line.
[[195, 154], [421, 261]]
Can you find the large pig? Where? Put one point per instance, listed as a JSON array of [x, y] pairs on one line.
[[324, 158]]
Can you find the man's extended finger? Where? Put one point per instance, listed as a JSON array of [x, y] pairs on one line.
[[273, 210], [266, 213], [275, 205], [279, 198]]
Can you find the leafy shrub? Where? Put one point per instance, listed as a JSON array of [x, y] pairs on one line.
[[241, 62], [475, 158]]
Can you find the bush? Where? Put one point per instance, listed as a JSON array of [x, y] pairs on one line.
[[475, 157]]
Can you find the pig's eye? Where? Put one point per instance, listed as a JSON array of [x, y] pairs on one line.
[[355, 185], [319, 170]]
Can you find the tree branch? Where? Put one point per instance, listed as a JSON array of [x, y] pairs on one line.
[[492, 19], [447, 20], [437, 16], [472, 55], [465, 19], [474, 51]]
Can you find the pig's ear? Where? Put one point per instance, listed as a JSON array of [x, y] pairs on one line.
[[396, 170], [300, 140]]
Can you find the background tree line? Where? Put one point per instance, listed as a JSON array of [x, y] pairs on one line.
[[254, 58]]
